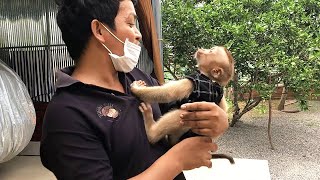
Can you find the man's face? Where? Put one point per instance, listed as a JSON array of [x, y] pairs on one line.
[[125, 26]]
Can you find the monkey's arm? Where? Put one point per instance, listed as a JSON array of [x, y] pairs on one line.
[[171, 91], [223, 104]]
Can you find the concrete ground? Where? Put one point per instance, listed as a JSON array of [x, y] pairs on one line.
[[24, 168], [27, 166], [295, 137]]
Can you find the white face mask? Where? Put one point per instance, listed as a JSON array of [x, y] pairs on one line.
[[129, 60]]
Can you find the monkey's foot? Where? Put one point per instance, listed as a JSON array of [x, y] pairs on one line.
[[146, 110]]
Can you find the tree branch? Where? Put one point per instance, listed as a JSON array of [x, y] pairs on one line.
[[169, 70]]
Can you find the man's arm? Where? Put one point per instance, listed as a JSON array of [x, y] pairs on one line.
[[70, 149], [188, 154]]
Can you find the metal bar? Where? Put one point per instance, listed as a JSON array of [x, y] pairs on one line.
[[15, 47]]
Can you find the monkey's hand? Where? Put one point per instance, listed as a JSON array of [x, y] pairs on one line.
[[137, 87], [138, 84]]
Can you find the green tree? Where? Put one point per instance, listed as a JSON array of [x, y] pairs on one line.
[[272, 42]]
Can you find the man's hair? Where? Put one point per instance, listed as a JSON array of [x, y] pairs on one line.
[[74, 20]]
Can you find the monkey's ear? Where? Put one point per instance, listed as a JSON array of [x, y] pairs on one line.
[[216, 73]]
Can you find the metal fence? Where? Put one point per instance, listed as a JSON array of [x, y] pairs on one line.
[[31, 44]]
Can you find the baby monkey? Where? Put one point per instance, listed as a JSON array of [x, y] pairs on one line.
[[215, 70]]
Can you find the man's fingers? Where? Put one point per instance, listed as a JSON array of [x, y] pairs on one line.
[[209, 164], [205, 139], [197, 115], [198, 106], [202, 131], [196, 124], [210, 146]]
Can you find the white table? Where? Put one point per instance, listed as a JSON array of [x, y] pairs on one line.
[[243, 169]]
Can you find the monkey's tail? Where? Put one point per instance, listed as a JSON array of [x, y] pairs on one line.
[[223, 156]]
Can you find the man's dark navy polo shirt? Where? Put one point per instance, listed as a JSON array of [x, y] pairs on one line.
[[91, 132]]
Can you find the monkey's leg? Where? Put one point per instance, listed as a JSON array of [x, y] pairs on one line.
[[223, 104], [149, 122], [168, 124], [171, 91]]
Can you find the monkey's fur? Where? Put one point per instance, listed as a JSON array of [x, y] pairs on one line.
[[216, 63]]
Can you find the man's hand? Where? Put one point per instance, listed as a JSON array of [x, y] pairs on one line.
[[193, 152], [205, 118]]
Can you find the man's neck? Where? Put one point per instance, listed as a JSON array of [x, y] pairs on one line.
[[99, 71]]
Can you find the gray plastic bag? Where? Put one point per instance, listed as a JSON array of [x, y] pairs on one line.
[[17, 114]]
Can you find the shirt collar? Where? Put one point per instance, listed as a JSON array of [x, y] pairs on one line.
[[64, 77], [206, 78]]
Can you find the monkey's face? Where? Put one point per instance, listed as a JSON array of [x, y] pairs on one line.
[[211, 58], [216, 55], [214, 63]]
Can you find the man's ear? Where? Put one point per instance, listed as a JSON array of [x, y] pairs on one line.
[[96, 29], [216, 72]]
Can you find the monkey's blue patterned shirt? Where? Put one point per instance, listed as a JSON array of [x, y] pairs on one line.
[[204, 89]]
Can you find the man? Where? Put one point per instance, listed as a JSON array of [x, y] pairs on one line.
[[93, 128]]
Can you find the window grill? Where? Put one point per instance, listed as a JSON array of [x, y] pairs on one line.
[[31, 44]]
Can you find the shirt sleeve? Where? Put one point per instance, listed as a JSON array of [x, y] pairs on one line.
[[71, 149]]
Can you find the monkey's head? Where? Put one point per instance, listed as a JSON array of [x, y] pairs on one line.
[[216, 63]]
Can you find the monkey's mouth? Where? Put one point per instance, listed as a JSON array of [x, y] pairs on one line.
[[199, 53]]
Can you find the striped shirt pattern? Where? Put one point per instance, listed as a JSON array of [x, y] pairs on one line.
[[204, 89]]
